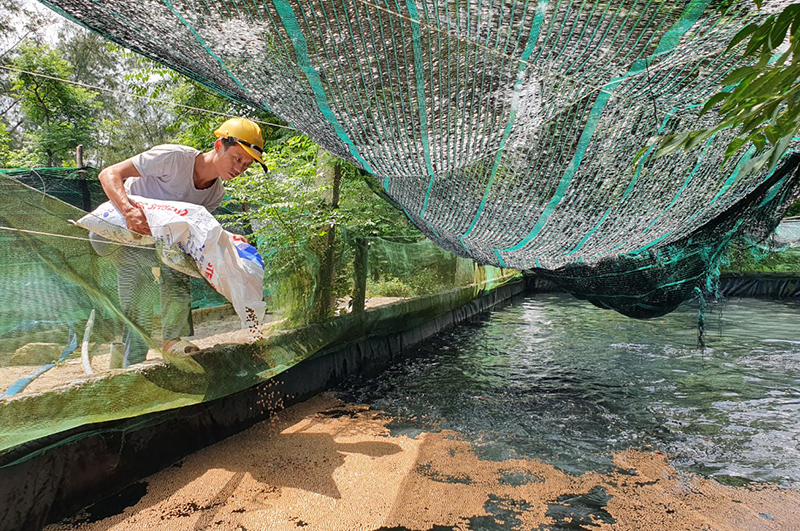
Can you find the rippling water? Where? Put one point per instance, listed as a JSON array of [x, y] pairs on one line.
[[557, 379]]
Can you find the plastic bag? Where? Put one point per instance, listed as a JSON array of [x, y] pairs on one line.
[[229, 264]]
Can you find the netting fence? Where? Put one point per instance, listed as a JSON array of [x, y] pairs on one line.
[[62, 357]]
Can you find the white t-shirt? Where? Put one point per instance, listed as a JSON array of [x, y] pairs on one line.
[[167, 172]]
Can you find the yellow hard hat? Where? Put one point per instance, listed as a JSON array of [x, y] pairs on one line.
[[246, 133]]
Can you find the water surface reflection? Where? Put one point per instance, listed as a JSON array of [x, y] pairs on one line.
[[554, 378]]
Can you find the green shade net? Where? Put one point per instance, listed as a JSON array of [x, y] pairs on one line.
[[78, 187], [507, 130], [61, 317]]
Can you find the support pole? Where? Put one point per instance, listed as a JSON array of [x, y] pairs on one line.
[[86, 199]]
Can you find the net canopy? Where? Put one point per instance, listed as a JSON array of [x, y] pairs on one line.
[[507, 130]]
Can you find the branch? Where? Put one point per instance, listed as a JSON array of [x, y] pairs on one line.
[[9, 108]]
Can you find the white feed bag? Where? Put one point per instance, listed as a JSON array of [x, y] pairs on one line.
[[108, 222], [232, 266]]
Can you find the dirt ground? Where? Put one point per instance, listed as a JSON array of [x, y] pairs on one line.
[[225, 329], [330, 466]]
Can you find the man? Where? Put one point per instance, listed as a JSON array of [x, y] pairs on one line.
[[173, 173]]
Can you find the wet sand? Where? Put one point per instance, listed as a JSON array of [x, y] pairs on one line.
[[329, 466]]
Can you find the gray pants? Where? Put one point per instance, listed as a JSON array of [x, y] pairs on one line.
[[139, 292]]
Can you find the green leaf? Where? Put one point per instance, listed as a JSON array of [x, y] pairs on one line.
[[763, 59], [650, 142], [672, 143], [734, 146], [783, 79], [742, 35], [741, 90], [737, 75], [753, 123], [783, 144], [716, 98], [694, 139], [783, 58], [772, 134], [758, 39], [789, 118], [795, 17], [762, 85], [780, 27], [754, 164], [639, 155]]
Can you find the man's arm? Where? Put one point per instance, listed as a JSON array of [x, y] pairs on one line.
[[111, 178]]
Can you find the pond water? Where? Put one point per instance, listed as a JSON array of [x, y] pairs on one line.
[[556, 379]]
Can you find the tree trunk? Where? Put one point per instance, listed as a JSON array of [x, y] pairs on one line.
[[360, 275], [329, 173]]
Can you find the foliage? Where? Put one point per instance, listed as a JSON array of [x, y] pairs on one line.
[[125, 124], [415, 282], [762, 98], [134, 119], [389, 287], [24, 156], [190, 127], [742, 259], [19, 20], [431, 279], [794, 210], [195, 111], [63, 114], [286, 206], [291, 220], [4, 138]]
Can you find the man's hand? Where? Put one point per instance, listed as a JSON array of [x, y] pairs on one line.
[[111, 178], [136, 220]]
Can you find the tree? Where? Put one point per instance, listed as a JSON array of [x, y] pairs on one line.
[[295, 217], [19, 21], [60, 115]]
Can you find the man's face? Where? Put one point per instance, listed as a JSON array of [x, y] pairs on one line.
[[231, 161]]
